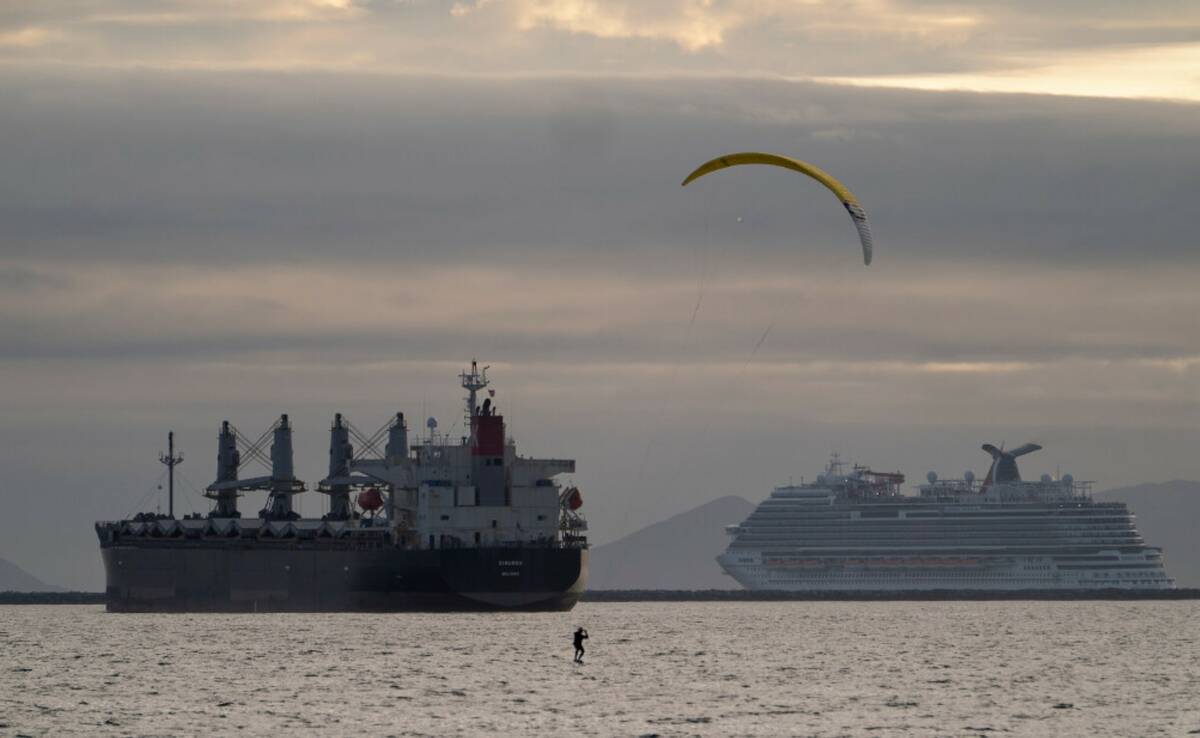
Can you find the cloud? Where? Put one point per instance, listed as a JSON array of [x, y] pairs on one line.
[[913, 332], [692, 24], [241, 168], [1062, 48], [279, 219], [197, 12], [18, 279], [28, 37], [1149, 72]]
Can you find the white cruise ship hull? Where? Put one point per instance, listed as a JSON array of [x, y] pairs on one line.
[[898, 572]]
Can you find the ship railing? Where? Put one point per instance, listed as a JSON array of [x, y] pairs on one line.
[[951, 489], [566, 542]]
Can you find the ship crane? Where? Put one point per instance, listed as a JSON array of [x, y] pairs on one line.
[[235, 450], [343, 455]]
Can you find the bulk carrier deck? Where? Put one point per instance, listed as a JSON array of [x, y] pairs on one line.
[[441, 525]]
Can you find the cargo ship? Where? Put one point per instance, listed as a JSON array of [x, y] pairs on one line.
[[443, 524], [853, 530]]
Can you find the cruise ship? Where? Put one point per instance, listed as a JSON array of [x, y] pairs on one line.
[[854, 530]]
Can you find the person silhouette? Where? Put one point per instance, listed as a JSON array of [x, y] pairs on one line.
[[580, 636]]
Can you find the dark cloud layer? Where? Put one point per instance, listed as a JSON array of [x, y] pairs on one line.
[[209, 167]]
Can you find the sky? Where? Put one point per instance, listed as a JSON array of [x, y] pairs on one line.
[[231, 210]]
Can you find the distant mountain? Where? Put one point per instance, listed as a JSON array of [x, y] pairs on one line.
[[677, 553], [1167, 516], [15, 579]]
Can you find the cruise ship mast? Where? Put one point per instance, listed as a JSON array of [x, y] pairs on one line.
[[836, 466]]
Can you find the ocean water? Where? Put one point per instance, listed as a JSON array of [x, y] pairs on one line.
[[777, 669]]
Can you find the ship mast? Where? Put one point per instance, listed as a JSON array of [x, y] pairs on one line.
[[170, 459], [472, 382]]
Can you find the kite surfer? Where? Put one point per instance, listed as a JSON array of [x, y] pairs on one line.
[[580, 636]]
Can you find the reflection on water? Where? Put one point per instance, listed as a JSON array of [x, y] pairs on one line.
[[794, 668]]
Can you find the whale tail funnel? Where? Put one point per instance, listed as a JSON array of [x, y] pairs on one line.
[[1004, 463]]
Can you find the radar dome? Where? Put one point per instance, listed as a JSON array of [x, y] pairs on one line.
[[1068, 478], [1046, 479], [969, 476], [431, 423], [932, 477]]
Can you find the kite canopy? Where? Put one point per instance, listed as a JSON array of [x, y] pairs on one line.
[[847, 198]]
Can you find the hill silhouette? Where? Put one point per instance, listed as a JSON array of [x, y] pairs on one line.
[[677, 553], [15, 579]]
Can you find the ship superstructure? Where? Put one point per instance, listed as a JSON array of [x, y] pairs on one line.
[[443, 523], [853, 529]]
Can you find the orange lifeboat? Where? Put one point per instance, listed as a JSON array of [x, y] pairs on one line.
[[370, 500], [572, 498]]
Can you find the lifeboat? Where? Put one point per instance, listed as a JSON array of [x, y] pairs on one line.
[[370, 500], [572, 498]]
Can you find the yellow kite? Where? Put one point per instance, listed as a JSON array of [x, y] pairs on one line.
[[848, 199]]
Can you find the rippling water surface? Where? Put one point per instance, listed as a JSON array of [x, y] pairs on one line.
[[789, 668]]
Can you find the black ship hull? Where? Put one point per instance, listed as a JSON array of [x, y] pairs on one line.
[[234, 576]]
